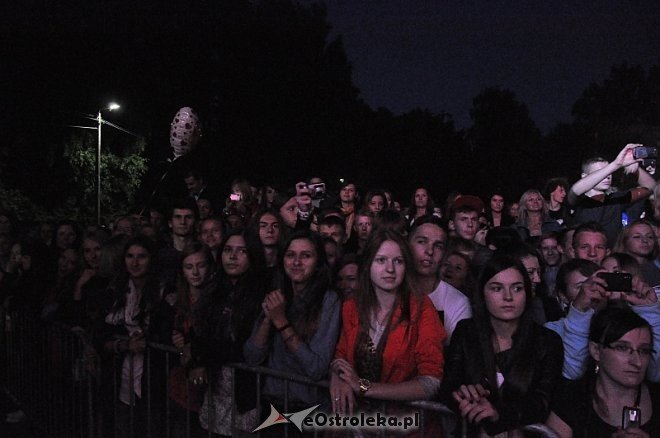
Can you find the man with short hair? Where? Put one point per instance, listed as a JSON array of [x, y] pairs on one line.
[[195, 184], [590, 243], [464, 222], [182, 223], [427, 241], [464, 229], [549, 247], [348, 200], [269, 234], [464, 218], [182, 219], [593, 200], [333, 227], [362, 228]]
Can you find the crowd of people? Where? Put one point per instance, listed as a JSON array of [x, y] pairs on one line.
[[501, 310]]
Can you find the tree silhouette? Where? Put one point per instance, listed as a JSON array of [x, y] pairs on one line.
[[624, 108], [504, 142]]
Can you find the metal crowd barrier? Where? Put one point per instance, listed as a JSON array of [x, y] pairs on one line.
[[425, 407], [49, 370], [54, 372]]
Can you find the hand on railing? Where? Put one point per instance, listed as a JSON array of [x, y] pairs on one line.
[[343, 397], [137, 343], [179, 342], [197, 376]]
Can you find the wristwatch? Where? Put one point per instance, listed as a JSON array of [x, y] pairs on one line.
[[365, 384]]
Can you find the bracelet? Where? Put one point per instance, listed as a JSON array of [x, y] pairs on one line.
[[284, 327]]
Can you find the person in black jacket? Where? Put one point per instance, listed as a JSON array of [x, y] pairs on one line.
[[602, 403], [501, 367], [227, 317]]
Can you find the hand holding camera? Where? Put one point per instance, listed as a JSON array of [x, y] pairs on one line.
[[647, 154], [317, 190], [625, 286], [641, 294], [303, 198], [592, 293], [633, 155]]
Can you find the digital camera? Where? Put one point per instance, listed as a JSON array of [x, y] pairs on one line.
[[648, 154], [617, 281], [645, 152], [317, 191]]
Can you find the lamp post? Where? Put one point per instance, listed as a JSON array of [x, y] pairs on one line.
[[99, 118]]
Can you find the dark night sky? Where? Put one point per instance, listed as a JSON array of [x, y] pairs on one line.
[[441, 54]]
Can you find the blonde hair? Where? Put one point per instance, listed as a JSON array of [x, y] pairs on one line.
[[624, 236], [523, 216]]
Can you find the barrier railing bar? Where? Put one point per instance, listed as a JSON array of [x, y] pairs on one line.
[[147, 371], [90, 403], [115, 399], [286, 405], [168, 432], [234, 409], [188, 410], [79, 404], [258, 398], [131, 392]]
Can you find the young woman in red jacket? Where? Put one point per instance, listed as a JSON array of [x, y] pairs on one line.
[[390, 346]]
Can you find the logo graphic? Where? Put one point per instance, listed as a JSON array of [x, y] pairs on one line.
[[295, 418]]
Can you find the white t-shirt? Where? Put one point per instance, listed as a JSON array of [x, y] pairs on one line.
[[454, 305]]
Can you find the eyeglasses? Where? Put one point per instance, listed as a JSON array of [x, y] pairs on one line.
[[623, 349]]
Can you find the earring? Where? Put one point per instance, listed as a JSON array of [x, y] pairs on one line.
[[596, 369]]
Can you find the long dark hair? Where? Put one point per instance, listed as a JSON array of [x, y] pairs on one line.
[[305, 320], [119, 285], [366, 299], [373, 193], [184, 309], [523, 348], [245, 295], [523, 251], [254, 223], [430, 205]]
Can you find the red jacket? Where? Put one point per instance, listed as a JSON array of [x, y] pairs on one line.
[[408, 353]]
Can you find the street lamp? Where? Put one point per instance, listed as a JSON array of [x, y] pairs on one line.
[[99, 118]]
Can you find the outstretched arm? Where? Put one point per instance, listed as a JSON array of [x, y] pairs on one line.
[[588, 182]]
